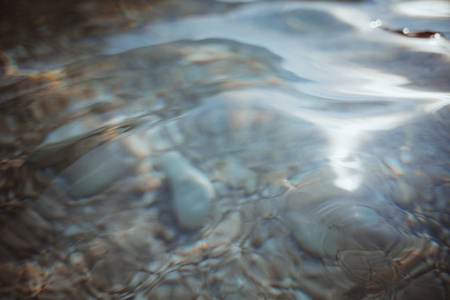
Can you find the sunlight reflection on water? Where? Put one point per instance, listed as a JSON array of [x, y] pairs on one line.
[[285, 150]]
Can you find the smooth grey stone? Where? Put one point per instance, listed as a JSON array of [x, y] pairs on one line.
[[192, 191]]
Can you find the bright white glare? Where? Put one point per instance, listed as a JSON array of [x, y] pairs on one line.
[[343, 143], [376, 23], [344, 132], [433, 9], [348, 183], [405, 30], [344, 140], [434, 106]]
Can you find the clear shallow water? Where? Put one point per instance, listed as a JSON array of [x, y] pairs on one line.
[[277, 150]]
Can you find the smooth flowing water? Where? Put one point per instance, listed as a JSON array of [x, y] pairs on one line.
[[225, 150]]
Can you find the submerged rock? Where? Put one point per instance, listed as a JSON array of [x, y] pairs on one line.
[[94, 172], [192, 191]]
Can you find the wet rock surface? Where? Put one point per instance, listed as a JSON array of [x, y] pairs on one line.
[[192, 192], [210, 169]]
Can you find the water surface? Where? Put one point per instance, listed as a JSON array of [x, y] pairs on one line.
[[251, 150]]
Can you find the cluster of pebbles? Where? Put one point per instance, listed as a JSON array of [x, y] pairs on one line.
[[52, 118], [165, 212], [162, 175]]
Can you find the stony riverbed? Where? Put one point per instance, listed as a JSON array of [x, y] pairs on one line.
[[261, 150]]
